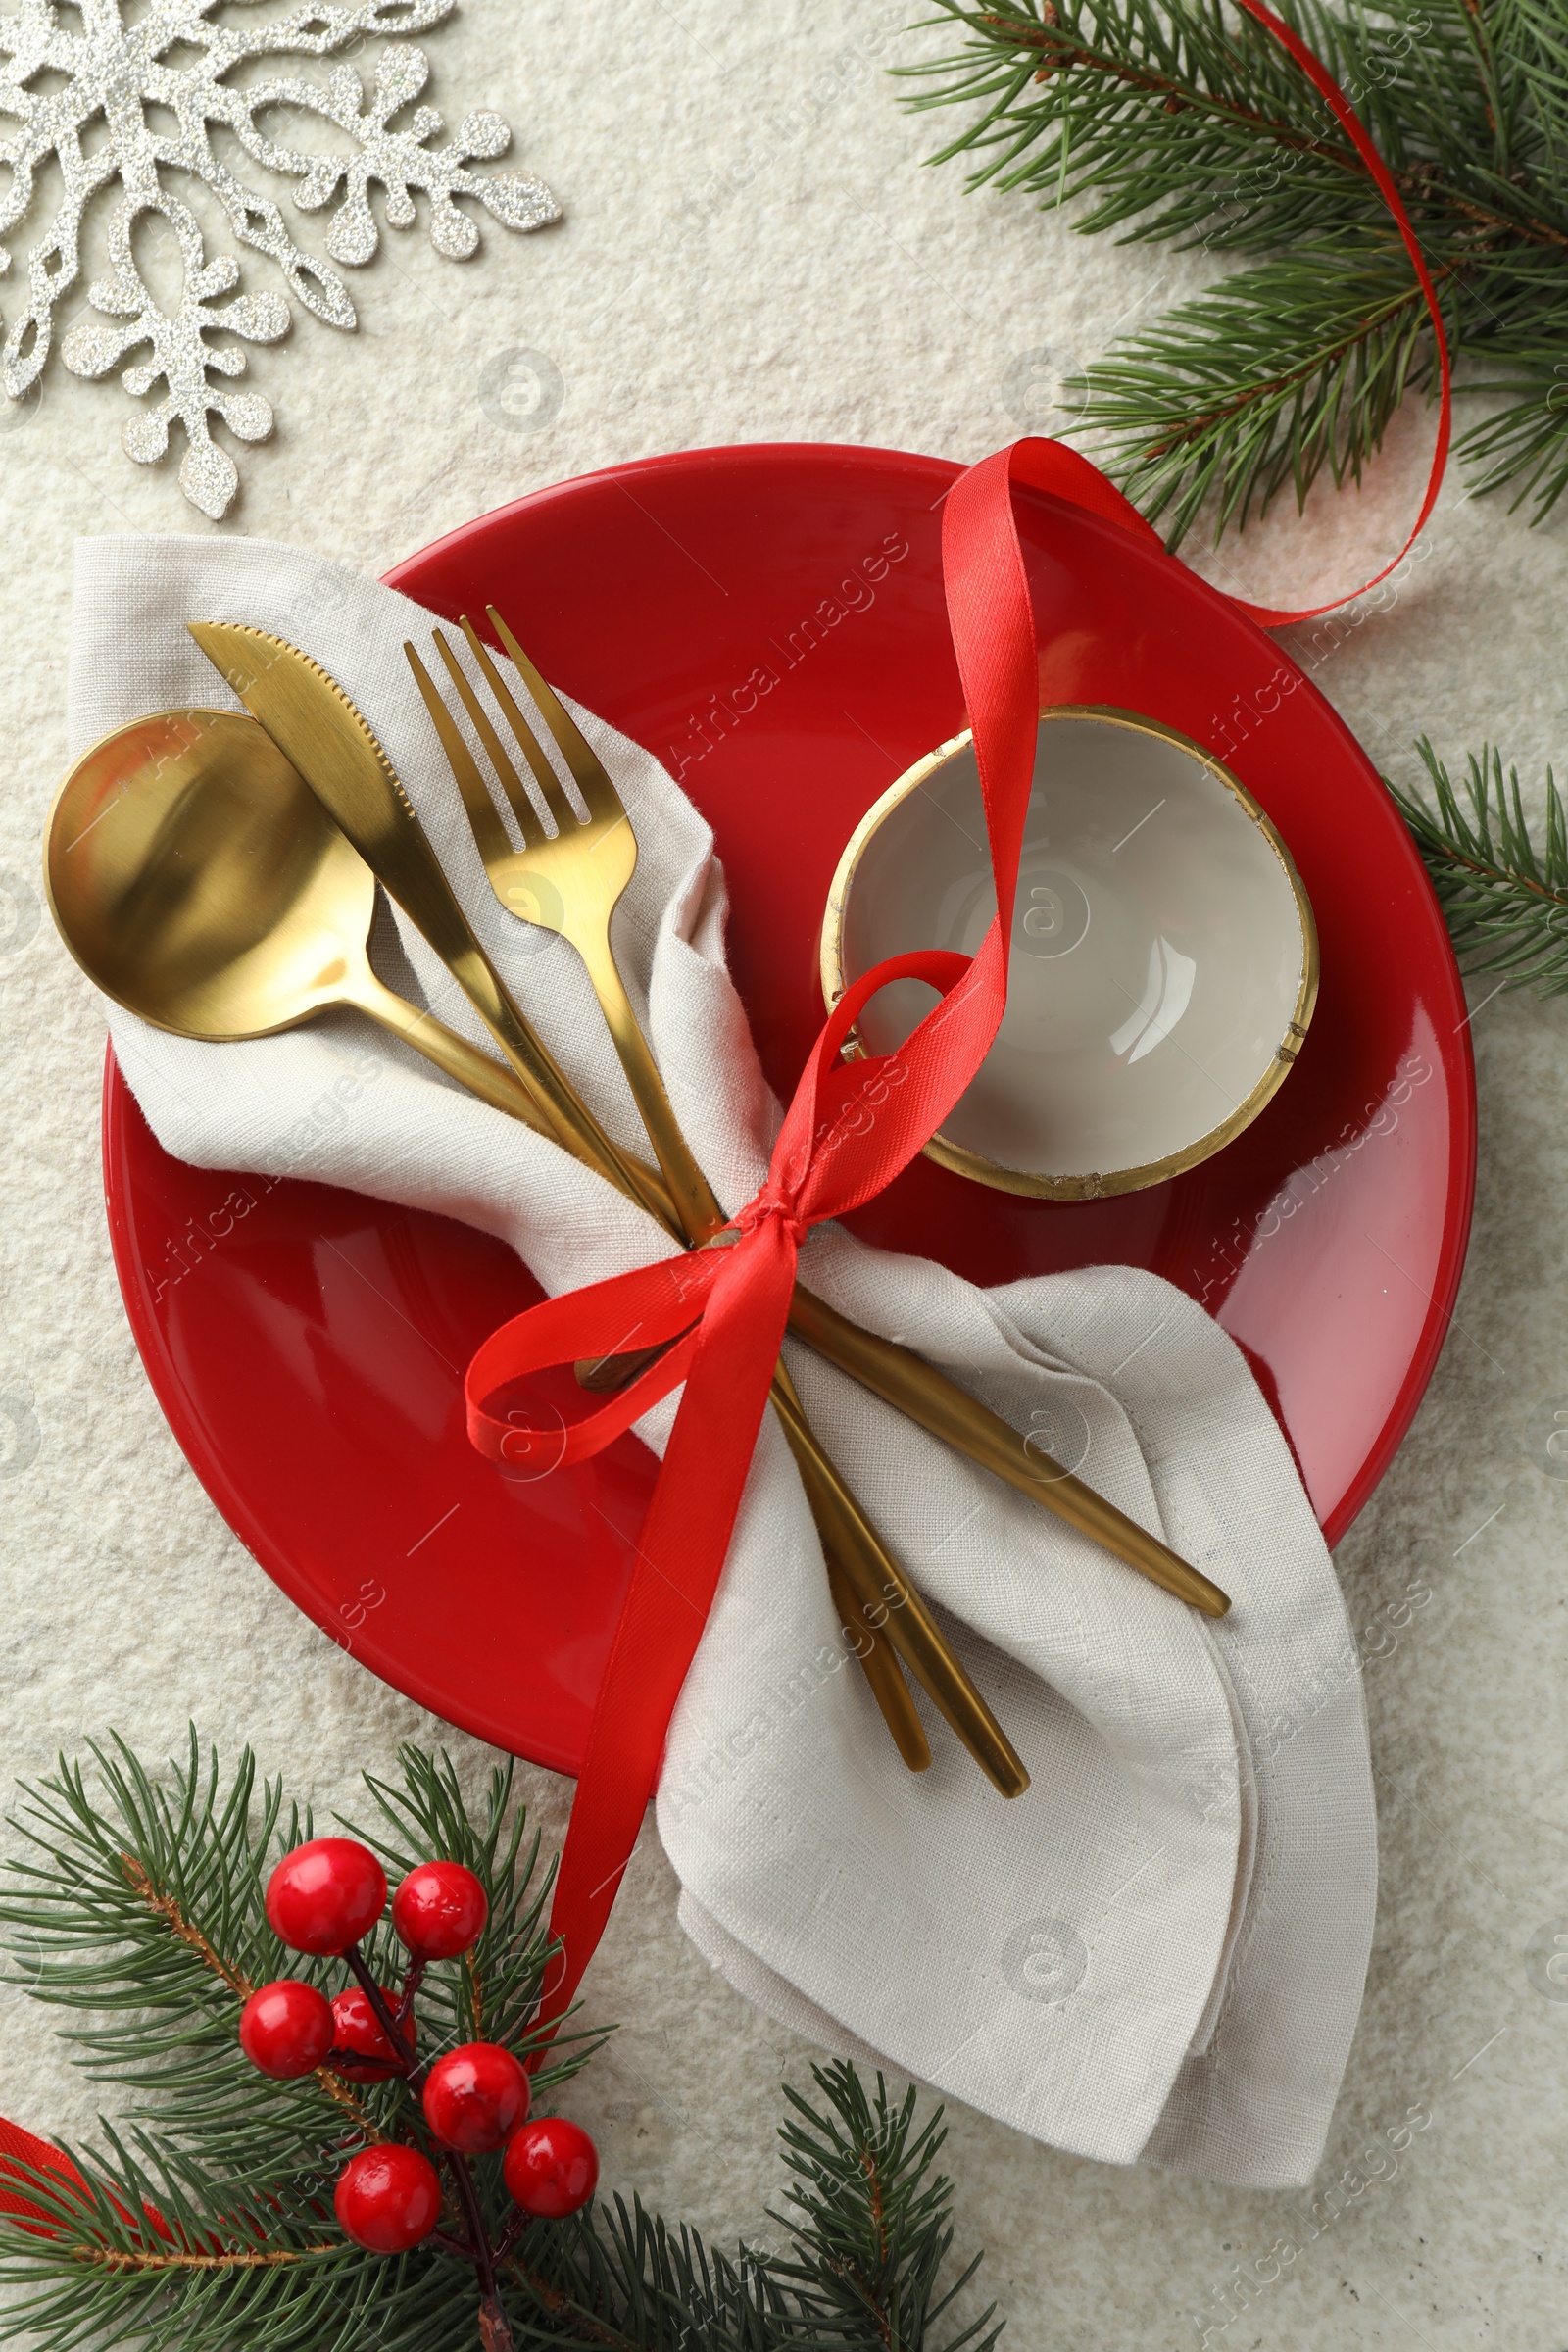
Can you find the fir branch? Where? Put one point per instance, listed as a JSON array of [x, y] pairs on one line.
[[873, 2229], [1257, 387], [205, 2220], [1187, 122], [143, 2247], [163, 1906], [1506, 901], [1527, 442], [263, 2258], [1533, 30], [149, 1910], [625, 2281], [166, 1907]]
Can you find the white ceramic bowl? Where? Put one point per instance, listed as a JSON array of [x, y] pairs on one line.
[[1164, 957]]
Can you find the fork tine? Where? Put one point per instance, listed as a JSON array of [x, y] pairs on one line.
[[600, 797], [484, 819], [555, 797], [512, 784]]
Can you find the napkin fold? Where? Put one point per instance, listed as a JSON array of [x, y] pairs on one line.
[[1156, 1954]]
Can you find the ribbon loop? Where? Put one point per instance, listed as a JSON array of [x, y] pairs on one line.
[[641, 1309]]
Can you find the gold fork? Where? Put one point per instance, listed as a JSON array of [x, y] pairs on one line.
[[569, 883]]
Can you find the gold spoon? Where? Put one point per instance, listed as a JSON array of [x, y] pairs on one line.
[[196, 878]]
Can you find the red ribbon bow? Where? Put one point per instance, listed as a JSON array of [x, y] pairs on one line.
[[846, 1133]]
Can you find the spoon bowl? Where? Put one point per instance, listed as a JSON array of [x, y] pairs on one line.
[[194, 875], [200, 883]]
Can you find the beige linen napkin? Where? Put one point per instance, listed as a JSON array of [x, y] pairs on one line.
[[1156, 1954]]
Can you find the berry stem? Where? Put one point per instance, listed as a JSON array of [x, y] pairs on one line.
[[390, 2024], [411, 1986], [510, 2237], [495, 2334]]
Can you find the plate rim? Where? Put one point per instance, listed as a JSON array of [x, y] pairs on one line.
[[402, 1672]]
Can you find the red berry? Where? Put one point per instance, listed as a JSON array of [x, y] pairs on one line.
[[326, 1895], [357, 2028], [551, 2167], [439, 1910], [286, 2028], [388, 2199], [475, 2097]]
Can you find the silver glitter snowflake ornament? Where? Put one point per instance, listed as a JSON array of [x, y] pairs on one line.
[[113, 70]]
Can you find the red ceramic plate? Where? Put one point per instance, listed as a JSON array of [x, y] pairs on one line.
[[769, 622]]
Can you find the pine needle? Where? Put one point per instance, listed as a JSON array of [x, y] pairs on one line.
[[1504, 900], [1183, 122]]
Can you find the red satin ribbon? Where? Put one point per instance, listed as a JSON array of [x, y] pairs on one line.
[[1323, 82], [846, 1133], [21, 2151]]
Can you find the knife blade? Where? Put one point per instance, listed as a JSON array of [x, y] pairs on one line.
[[321, 732]]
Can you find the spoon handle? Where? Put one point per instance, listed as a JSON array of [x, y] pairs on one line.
[[502, 1088]]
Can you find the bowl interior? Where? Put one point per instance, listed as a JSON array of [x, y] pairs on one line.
[[1162, 950]]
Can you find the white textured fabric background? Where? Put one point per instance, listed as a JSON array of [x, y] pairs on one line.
[[750, 252]]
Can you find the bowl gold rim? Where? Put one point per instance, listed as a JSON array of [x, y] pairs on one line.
[[1101, 1185]]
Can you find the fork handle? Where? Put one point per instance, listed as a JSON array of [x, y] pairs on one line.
[[572, 1122], [691, 1195]]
